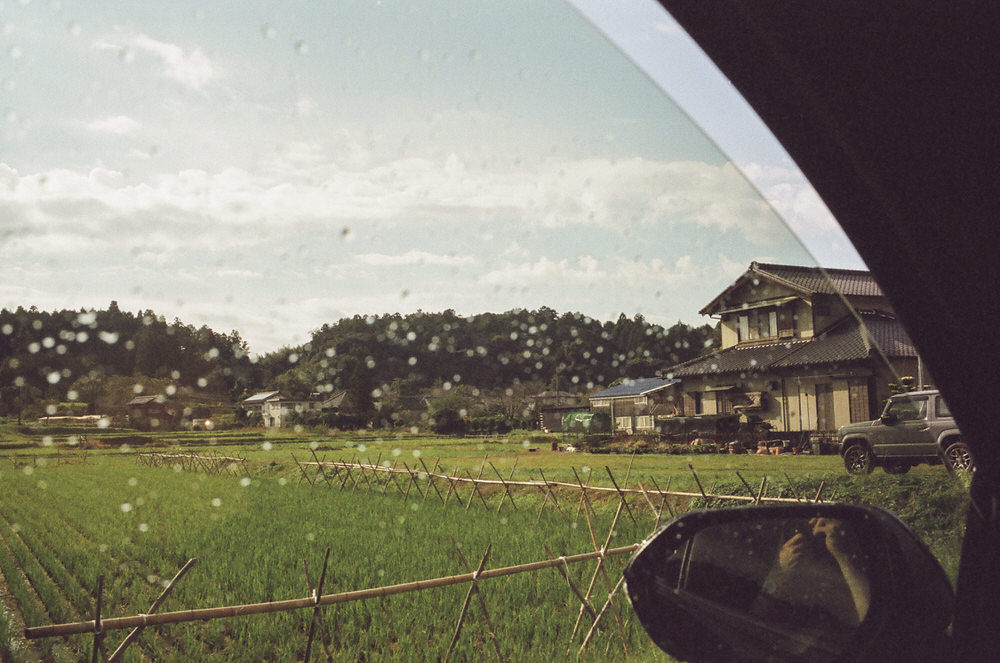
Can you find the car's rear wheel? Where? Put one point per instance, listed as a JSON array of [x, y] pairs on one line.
[[958, 457], [858, 459]]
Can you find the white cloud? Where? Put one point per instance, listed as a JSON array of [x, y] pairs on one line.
[[791, 195], [191, 68], [300, 188], [413, 257], [237, 274], [120, 125], [589, 271]]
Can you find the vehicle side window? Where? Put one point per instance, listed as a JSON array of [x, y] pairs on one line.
[[909, 409], [941, 409]]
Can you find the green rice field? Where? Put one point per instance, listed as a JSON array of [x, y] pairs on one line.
[[64, 522]]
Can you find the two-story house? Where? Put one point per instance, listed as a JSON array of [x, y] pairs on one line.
[[635, 405], [803, 348], [276, 409]]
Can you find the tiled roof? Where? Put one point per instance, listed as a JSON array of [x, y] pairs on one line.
[[736, 359], [850, 282], [636, 387], [142, 400], [845, 341], [889, 335], [805, 280], [259, 397]]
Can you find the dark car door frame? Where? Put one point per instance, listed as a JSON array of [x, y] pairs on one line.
[[889, 110]]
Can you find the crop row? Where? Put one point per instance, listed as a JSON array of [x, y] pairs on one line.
[[133, 522]]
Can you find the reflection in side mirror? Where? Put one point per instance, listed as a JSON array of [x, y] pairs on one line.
[[796, 583]]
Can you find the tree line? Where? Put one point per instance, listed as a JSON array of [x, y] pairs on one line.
[[67, 355]]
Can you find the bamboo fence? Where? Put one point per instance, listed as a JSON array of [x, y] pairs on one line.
[[38, 460], [214, 464], [378, 477], [420, 482]]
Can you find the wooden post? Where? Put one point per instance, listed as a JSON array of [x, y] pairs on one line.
[[597, 620], [451, 486], [506, 491], [319, 466], [392, 476], [134, 633], [98, 629], [304, 475], [465, 605], [698, 481], [430, 480], [792, 486], [583, 490], [621, 494], [745, 484], [551, 493], [475, 486], [318, 592], [649, 502], [479, 595], [600, 564], [762, 491], [572, 585], [363, 470]]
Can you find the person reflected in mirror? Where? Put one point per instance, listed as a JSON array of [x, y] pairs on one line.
[[819, 574]]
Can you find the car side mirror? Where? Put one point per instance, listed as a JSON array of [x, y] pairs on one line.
[[889, 419], [827, 582]]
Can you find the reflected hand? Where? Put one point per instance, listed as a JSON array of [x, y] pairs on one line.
[[793, 551], [833, 533]]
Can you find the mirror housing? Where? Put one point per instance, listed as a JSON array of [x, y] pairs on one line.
[[809, 583]]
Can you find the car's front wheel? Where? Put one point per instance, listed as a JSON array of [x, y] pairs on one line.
[[858, 459], [958, 457]]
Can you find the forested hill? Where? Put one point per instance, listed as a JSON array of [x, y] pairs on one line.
[[45, 355], [490, 350]]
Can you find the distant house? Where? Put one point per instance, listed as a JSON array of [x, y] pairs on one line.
[[276, 409], [551, 406], [794, 354], [635, 406], [256, 402], [147, 412]]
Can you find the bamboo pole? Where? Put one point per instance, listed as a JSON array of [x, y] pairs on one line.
[[506, 490], [792, 486], [621, 494], [479, 596], [98, 624], [593, 627], [698, 481], [465, 606], [199, 614], [315, 616], [134, 633], [562, 569], [551, 493], [430, 480]]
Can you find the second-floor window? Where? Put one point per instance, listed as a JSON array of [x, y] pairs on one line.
[[760, 324]]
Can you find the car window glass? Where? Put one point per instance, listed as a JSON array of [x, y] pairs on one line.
[[941, 408], [242, 241], [909, 409]]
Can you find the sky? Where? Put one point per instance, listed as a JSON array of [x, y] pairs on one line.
[[271, 167]]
